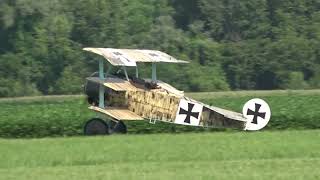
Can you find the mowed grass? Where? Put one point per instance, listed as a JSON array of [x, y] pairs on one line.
[[223, 155]]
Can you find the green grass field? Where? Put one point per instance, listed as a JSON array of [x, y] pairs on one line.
[[222, 155]]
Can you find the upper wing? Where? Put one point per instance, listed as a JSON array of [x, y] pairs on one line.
[[129, 57], [115, 56]]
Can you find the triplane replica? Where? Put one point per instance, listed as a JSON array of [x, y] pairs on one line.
[[117, 99]]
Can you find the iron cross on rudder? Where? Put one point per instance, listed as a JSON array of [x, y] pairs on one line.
[[189, 113], [256, 113]]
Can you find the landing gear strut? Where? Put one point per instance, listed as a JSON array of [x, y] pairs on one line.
[[119, 127]]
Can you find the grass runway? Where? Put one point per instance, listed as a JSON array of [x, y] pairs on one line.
[[223, 155]]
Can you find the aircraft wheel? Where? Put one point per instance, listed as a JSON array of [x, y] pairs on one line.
[[120, 128], [96, 126]]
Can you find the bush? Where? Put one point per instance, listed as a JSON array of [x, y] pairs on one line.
[[295, 80]]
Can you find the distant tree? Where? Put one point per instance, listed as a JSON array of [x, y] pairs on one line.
[[231, 44]]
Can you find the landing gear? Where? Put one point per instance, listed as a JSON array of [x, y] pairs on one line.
[[96, 126], [119, 127]]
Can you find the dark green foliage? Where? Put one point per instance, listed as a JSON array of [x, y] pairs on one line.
[[232, 44], [43, 118], [66, 116]]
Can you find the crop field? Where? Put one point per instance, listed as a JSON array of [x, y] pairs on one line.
[[66, 115], [288, 148], [223, 155]]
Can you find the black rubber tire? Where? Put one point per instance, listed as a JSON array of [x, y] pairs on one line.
[[120, 128], [96, 126]]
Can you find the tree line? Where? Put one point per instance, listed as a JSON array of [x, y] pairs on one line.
[[231, 44]]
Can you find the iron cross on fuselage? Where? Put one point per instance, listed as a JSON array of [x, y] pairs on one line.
[[189, 113], [256, 113]]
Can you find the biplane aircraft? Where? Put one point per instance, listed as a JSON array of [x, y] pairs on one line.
[[124, 98]]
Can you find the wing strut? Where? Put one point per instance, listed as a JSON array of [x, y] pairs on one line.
[[154, 71], [125, 73], [101, 87], [137, 72]]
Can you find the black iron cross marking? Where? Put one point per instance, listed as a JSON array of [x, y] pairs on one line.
[[117, 53], [153, 54], [189, 113], [256, 113]]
